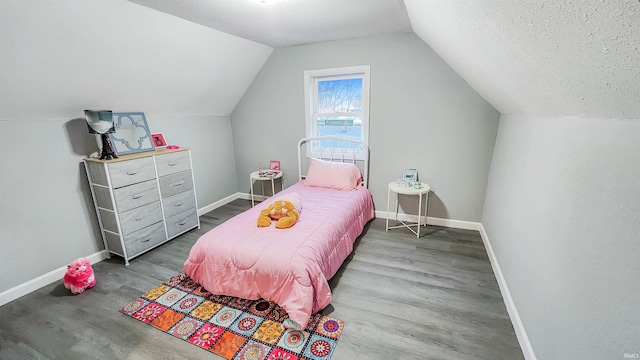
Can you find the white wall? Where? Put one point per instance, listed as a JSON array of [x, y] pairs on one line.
[[211, 144], [423, 115], [562, 212], [61, 57]]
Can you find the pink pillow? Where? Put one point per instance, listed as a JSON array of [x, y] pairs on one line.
[[332, 175]]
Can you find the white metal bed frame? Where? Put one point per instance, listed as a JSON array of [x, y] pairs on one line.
[[336, 151]]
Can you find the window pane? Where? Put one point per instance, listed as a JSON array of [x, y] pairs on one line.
[[340, 96], [342, 126]]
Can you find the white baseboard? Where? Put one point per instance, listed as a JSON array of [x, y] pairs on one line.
[[219, 203], [457, 224], [256, 197], [228, 199], [521, 334], [43, 280]]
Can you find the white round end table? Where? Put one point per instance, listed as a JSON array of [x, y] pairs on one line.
[[255, 176], [408, 190]]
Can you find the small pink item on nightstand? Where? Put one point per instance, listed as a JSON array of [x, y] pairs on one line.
[[173, 147]]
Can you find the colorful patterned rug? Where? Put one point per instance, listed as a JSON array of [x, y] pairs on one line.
[[231, 327]]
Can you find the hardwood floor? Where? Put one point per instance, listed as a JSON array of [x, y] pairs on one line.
[[400, 297]]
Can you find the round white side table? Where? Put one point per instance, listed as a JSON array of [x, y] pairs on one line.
[[408, 190], [255, 176]]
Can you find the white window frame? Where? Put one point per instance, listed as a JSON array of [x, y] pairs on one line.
[[310, 95]]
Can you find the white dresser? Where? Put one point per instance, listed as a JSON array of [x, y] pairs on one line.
[[143, 200]]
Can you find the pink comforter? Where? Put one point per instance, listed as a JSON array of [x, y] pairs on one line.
[[288, 266]]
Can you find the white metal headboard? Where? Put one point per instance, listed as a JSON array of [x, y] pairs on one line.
[[334, 148]]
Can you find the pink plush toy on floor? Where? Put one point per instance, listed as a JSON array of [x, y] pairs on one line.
[[79, 276]]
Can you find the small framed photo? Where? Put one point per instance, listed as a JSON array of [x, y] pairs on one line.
[[158, 140], [410, 175], [274, 165]]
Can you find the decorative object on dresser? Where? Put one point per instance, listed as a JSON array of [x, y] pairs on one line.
[[101, 122], [132, 133], [158, 140], [143, 200]]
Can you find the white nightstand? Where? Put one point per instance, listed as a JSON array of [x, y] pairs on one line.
[[255, 176], [408, 190]]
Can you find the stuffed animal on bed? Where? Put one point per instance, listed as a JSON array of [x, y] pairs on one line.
[[283, 211], [79, 276]]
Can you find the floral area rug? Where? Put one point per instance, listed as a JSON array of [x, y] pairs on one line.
[[231, 327]]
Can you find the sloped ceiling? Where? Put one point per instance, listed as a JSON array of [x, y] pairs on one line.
[[535, 57], [58, 58], [540, 57]]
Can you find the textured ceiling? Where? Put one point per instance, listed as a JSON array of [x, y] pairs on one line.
[[281, 23], [540, 57], [534, 57]]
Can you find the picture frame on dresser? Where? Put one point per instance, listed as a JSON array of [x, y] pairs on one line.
[[143, 200], [158, 140], [132, 133]]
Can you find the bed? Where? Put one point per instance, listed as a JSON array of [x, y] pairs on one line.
[[291, 267]]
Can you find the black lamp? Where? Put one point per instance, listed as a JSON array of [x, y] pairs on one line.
[[101, 122]]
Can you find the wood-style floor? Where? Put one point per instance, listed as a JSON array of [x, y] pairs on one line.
[[400, 297]]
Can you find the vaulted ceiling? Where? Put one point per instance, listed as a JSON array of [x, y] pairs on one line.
[[547, 58]]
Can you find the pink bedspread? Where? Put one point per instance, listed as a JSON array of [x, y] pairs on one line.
[[288, 266]]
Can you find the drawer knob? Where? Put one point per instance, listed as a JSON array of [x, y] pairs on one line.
[[132, 172], [179, 183], [180, 223], [178, 204], [137, 196], [146, 240], [172, 163]]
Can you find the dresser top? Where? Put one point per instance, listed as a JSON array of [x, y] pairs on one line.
[[136, 155]]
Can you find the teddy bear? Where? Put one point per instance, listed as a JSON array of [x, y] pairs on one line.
[[281, 210], [79, 276]]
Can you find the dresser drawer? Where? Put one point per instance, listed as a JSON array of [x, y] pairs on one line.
[[97, 172], [176, 183], [145, 239], [133, 196], [173, 163], [181, 222], [103, 197], [141, 217], [178, 203], [129, 172]]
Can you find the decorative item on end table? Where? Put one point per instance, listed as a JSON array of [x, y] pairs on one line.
[[410, 175], [274, 165], [268, 173], [101, 122]]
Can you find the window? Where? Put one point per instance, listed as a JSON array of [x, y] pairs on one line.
[[337, 102]]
